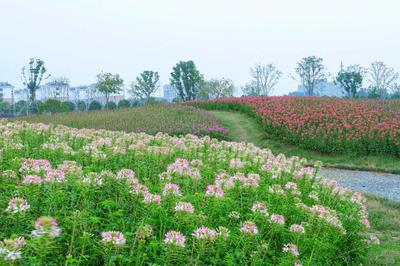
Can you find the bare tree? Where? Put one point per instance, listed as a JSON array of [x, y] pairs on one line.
[[312, 73], [381, 78], [217, 88], [265, 78]]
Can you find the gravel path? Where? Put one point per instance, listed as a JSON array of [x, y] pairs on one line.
[[380, 184]]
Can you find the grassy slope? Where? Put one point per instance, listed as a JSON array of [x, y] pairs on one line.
[[244, 128], [384, 215]]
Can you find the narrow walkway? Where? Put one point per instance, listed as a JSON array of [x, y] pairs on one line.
[[380, 184], [244, 128]]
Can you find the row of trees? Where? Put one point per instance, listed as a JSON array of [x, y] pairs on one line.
[[190, 84]]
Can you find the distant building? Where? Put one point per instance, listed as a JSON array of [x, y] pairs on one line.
[[325, 88], [169, 92], [6, 91], [86, 93]]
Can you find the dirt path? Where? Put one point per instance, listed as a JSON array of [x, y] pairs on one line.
[[244, 128]]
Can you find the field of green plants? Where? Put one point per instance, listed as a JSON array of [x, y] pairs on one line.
[[327, 125], [151, 119], [93, 197]]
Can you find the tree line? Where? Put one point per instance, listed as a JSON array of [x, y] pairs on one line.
[[382, 81]]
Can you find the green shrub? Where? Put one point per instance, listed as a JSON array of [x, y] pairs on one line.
[[124, 103], [81, 106], [95, 105], [110, 106], [52, 106]]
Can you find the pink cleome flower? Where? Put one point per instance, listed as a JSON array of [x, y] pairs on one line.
[[113, 237], [184, 207], [249, 227], [46, 226], [173, 189], [16, 205], [279, 219], [175, 238], [214, 191], [205, 233], [31, 179], [54, 176]]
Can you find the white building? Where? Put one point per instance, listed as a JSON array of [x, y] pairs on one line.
[[85, 93], [169, 92], [6, 91]]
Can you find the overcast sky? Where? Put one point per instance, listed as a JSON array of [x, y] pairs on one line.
[[80, 38]]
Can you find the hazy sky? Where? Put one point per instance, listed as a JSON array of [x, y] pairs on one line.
[[80, 38]]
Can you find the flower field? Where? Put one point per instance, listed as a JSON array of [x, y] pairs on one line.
[[151, 119], [329, 125], [94, 197]]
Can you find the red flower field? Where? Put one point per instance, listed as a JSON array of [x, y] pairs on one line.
[[330, 125]]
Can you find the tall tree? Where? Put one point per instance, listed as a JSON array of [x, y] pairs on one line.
[[186, 79], [108, 83], [217, 88], [265, 78], [381, 78], [311, 72], [350, 79], [145, 85], [33, 76]]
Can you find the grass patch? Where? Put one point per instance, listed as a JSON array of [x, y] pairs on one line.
[[245, 128], [384, 217]]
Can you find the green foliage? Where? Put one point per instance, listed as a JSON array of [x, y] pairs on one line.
[[71, 106], [311, 72], [53, 106], [108, 83], [124, 103], [350, 80], [81, 106], [146, 84], [95, 192], [187, 80], [111, 105], [95, 105]]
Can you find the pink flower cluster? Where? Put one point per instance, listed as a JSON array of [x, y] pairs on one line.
[[181, 167], [32, 179], [260, 207], [113, 237], [10, 249], [125, 174], [205, 233], [16, 205], [214, 191], [46, 226], [279, 219], [249, 227], [184, 207], [307, 172], [149, 198], [54, 176], [35, 166], [173, 189], [175, 238]]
